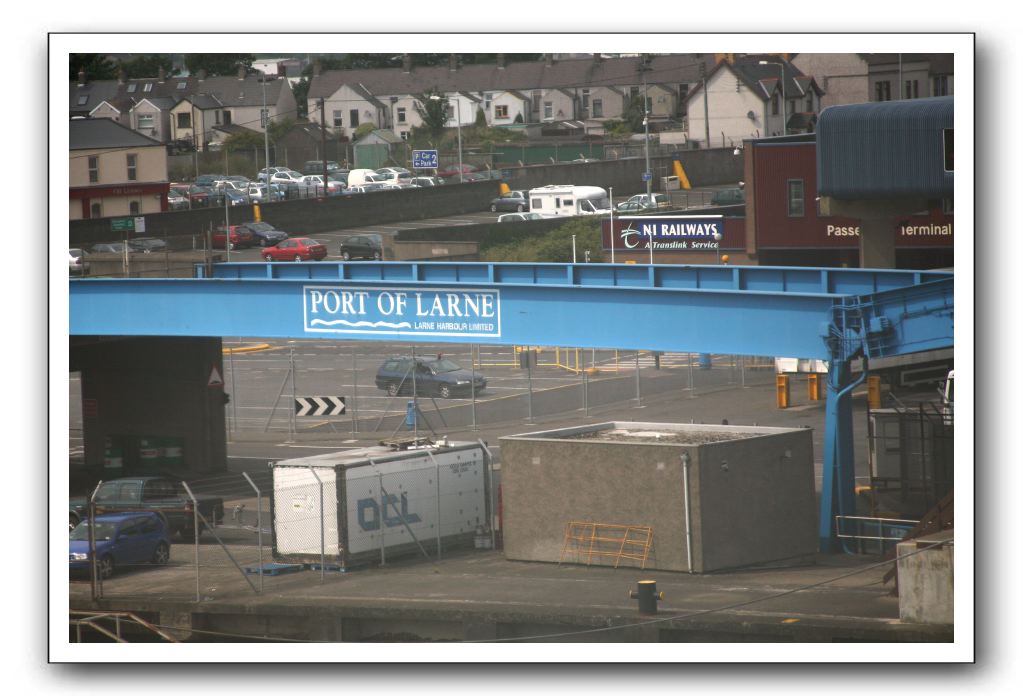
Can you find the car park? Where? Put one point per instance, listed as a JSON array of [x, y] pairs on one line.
[[295, 249], [241, 238], [109, 248], [519, 217], [257, 193], [77, 264], [362, 246], [442, 377], [517, 201], [198, 196], [358, 177], [641, 202], [729, 196], [121, 540], [264, 233], [209, 179], [315, 182], [316, 167], [424, 181]]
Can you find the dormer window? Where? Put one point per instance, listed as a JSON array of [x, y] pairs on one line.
[[148, 87], [83, 100], [132, 87], [182, 85]]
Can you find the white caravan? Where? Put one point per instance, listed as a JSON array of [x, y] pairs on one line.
[[556, 201]]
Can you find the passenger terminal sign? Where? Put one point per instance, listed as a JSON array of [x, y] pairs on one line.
[[466, 313], [668, 232]]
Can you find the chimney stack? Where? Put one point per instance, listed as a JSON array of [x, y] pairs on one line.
[[202, 74], [500, 61], [316, 69], [162, 75], [406, 63], [81, 77], [241, 72], [548, 59], [452, 62], [122, 76]]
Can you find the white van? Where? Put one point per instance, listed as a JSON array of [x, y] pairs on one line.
[[556, 201], [358, 177]]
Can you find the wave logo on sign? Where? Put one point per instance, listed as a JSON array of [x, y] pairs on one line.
[[466, 313]]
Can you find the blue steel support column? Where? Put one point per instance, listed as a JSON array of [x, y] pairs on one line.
[[838, 496]]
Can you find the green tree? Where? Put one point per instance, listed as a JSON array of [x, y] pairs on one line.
[[554, 246], [96, 66], [635, 113], [434, 112], [217, 63], [148, 65]]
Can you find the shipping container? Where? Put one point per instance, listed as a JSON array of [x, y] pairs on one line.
[[377, 503]]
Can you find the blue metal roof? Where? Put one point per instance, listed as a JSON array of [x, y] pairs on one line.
[[887, 149]]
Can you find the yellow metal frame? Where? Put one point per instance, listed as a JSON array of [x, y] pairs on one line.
[[617, 541]]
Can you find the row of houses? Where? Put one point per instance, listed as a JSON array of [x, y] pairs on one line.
[[711, 99]]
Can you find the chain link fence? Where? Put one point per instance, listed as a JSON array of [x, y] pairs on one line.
[[265, 380]]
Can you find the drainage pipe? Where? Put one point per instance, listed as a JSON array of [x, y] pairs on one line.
[[685, 493]]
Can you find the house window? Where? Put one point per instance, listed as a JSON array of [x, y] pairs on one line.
[[132, 87], [83, 100], [338, 120], [133, 208], [796, 201], [96, 210], [809, 103], [133, 162], [404, 135], [912, 89], [633, 92], [216, 117], [227, 118], [940, 88], [774, 105], [535, 101], [683, 92], [586, 98], [185, 119], [145, 121], [501, 111], [353, 118], [548, 110], [882, 90], [182, 85], [93, 170], [598, 108], [401, 114], [148, 87]]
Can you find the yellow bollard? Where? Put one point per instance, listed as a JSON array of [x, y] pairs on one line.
[[256, 213], [813, 384], [504, 188], [782, 388], [874, 391]]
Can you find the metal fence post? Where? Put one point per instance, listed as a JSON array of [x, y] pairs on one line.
[[292, 425], [97, 580], [259, 526], [323, 565], [380, 516], [355, 389], [689, 359], [639, 400]]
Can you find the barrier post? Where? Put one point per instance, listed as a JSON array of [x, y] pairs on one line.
[[874, 391], [782, 389]]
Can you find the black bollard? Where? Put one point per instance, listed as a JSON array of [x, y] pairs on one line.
[[648, 596]]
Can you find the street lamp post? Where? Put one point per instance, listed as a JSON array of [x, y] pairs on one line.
[[266, 139], [781, 70], [458, 124]]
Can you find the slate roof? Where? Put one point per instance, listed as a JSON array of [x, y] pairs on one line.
[[221, 91], [104, 133], [515, 76]]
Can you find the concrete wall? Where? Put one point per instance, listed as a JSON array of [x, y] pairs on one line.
[[760, 507], [152, 387], [926, 580]]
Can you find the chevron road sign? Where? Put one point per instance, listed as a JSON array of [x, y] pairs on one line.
[[319, 405]]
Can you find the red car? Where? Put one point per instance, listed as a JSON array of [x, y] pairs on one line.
[[296, 249], [241, 237]]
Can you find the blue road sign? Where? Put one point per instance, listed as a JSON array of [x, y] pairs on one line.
[[647, 176], [424, 159]]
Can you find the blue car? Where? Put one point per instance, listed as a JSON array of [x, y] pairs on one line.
[[122, 539]]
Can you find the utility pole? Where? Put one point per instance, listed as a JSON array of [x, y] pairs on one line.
[[266, 140], [323, 141], [643, 67], [706, 107]]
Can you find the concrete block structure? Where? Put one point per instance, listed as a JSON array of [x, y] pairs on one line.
[[746, 494], [926, 587]]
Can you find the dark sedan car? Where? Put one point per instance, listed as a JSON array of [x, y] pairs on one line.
[[511, 202], [443, 377], [264, 233], [121, 540], [363, 246]]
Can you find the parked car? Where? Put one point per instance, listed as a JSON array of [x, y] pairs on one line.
[[121, 540], [394, 177], [286, 178], [517, 201], [442, 377], [261, 176], [424, 181], [315, 181], [316, 167], [641, 202], [519, 217], [209, 180], [177, 201], [387, 171], [264, 233], [109, 248], [363, 246], [160, 494], [728, 196], [213, 195], [147, 245], [198, 197], [451, 171], [234, 197], [257, 193], [77, 264], [296, 249], [241, 238]]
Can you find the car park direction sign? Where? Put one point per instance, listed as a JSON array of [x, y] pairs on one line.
[[424, 159]]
